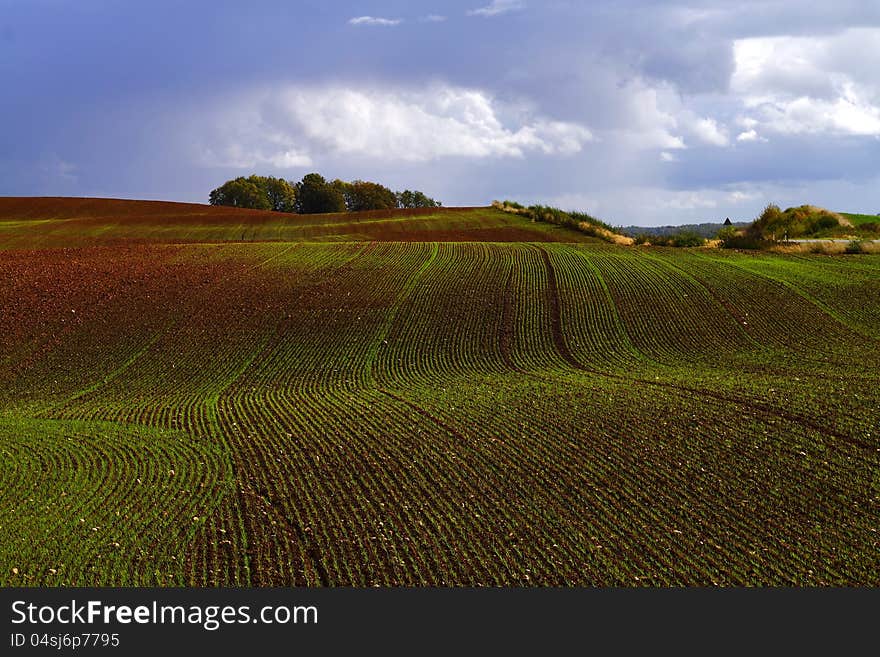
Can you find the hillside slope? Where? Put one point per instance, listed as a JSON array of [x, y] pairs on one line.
[[431, 413], [59, 222]]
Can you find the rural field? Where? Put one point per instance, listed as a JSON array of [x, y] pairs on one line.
[[194, 395]]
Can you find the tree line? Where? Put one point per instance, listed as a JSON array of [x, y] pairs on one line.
[[313, 195]]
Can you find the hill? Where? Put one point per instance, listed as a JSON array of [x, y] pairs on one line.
[[27, 222], [870, 222], [203, 396], [808, 221]]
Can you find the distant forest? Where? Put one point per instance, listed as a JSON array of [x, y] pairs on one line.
[[705, 230], [314, 195]]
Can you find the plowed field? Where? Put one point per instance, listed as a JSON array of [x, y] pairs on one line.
[[203, 396]]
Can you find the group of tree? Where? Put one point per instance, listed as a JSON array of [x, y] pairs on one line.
[[257, 193], [314, 195]]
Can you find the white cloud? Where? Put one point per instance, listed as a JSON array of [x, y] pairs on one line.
[[422, 125], [708, 131], [698, 199], [432, 18], [648, 114], [736, 197], [289, 159], [809, 85], [292, 127], [498, 7], [768, 66], [666, 156], [848, 115], [649, 123], [575, 202], [372, 20], [750, 135], [687, 200], [239, 156], [651, 205]]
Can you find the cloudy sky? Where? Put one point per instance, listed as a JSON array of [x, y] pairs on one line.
[[638, 112]]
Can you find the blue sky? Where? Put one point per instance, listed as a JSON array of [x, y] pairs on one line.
[[638, 112]]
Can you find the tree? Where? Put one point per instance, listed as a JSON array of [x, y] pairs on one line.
[[255, 192], [343, 188], [363, 195], [416, 199], [280, 194], [240, 193], [315, 195]]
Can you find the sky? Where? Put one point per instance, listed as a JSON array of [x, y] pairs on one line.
[[637, 112]]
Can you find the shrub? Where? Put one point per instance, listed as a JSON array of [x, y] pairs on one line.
[[683, 238], [855, 246], [745, 242], [768, 222], [687, 238], [774, 223], [727, 233], [579, 221], [583, 217]]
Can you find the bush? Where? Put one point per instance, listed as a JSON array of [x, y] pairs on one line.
[[583, 217], [681, 239], [687, 238], [854, 247], [799, 221], [726, 234], [745, 242], [768, 222], [579, 221]]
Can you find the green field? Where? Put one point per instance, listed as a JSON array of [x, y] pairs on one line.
[[863, 222], [461, 398], [859, 219], [34, 223]]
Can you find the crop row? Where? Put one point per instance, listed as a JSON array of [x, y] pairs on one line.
[[101, 504], [440, 413]]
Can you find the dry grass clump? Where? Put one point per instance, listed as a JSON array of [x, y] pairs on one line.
[[579, 221], [827, 247]]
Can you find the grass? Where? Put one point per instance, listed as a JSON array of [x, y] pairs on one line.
[[859, 219], [369, 403]]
